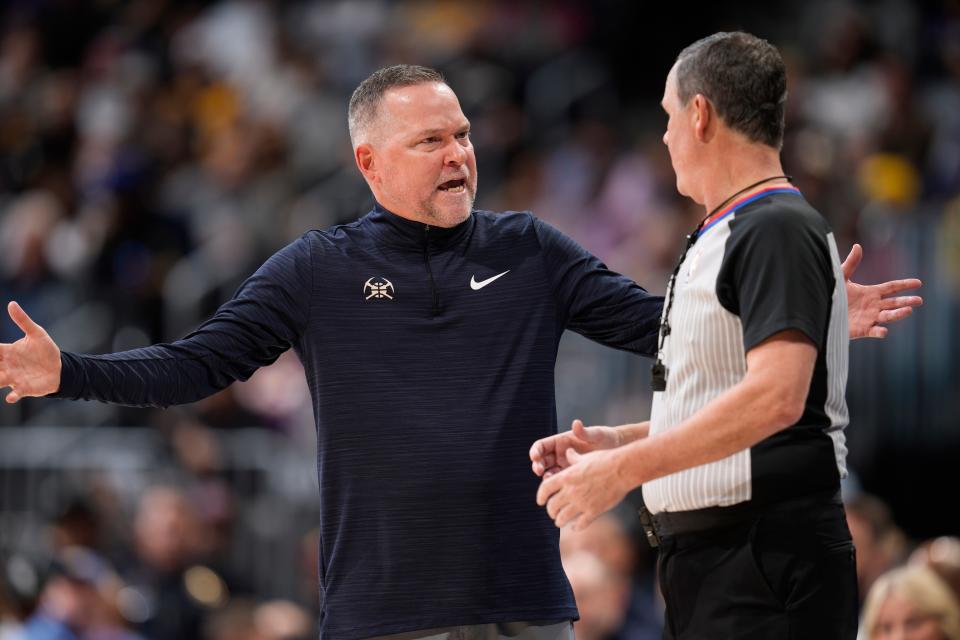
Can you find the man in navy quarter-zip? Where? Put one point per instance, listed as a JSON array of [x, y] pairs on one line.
[[429, 335]]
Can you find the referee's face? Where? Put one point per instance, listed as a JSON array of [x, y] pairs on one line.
[[422, 165], [679, 136]]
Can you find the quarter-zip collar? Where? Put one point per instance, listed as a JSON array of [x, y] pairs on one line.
[[399, 231]]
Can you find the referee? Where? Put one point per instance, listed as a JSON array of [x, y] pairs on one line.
[[741, 470]]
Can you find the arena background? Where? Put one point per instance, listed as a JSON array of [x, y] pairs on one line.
[[153, 154]]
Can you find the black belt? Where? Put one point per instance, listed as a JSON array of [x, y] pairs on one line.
[[657, 526]]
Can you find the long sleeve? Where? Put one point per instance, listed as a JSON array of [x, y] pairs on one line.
[[266, 317], [598, 303]]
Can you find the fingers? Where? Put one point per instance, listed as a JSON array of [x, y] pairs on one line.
[[853, 261], [901, 301], [555, 505], [572, 456], [22, 320], [542, 455], [540, 449], [877, 332], [536, 463], [536, 450], [12, 397], [581, 522], [544, 466], [896, 286], [564, 515], [894, 315], [580, 431], [569, 516], [549, 487]]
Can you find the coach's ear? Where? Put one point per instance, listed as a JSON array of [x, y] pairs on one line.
[[703, 118], [364, 157]]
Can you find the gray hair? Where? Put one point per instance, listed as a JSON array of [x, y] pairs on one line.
[[366, 98], [745, 79]]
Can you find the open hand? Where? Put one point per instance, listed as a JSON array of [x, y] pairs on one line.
[[871, 306], [31, 365]]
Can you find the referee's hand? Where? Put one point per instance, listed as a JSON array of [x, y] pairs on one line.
[[549, 455], [31, 365]]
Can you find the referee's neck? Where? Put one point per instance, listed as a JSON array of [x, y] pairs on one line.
[[736, 165]]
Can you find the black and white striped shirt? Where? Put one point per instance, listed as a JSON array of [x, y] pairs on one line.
[[766, 263]]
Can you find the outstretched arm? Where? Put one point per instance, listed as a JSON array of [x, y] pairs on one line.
[[265, 318], [872, 306], [31, 365]]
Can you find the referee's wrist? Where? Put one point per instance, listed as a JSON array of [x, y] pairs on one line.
[[620, 441], [624, 469]]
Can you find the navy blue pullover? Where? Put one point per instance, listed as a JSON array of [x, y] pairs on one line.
[[429, 385]]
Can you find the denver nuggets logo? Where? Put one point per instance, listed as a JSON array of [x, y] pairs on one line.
[[378, 288]]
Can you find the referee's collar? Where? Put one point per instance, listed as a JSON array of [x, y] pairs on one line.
[[745, 200]]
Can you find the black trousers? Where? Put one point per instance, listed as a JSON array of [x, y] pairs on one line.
[[787, 573]]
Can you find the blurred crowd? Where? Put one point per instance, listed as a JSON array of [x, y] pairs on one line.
[[165, 584], [166, 576], [153, 153]]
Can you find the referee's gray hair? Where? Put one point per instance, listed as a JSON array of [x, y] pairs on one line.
[[366, 98], [745, 79]]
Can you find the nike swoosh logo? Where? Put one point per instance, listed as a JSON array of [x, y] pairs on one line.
[[476, 286]]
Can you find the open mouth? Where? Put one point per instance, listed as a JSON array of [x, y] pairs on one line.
[[453, 186]]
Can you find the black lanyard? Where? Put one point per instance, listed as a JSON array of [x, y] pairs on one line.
[[658, 372]]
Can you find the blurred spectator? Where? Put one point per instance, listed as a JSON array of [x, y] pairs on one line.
[[602, 595], [78, 525], [21, 582], [911, 603], [879, 542], [282, 620], [607, 539], [79, 601], [618, 592], [942, 555], [170, 594], [21, 579], [246, 620], [233, 622]]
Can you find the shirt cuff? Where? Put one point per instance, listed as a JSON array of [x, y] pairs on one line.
[[71, 377]]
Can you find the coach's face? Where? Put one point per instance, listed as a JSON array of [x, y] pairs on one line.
[[680, 138], [420, 162]]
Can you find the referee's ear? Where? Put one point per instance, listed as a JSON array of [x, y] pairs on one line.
[[704, 118]]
